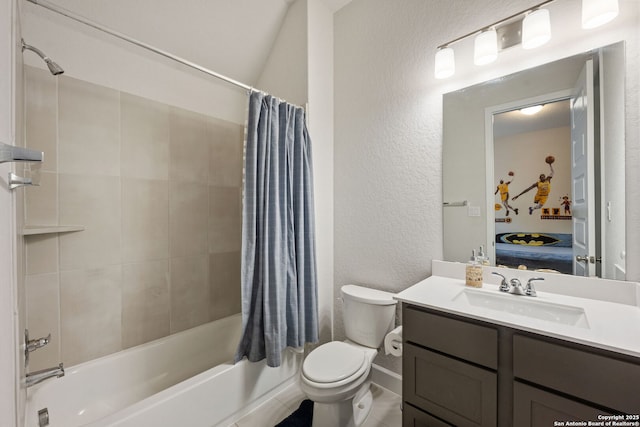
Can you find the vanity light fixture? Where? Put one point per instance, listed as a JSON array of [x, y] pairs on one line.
[[445, 63], [530, 111], [536, 29], [598, 12], [485, 47], [531, 28]]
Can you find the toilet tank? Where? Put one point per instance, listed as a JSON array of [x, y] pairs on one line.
[[369, 314]]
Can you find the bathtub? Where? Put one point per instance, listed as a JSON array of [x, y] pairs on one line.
[[183, 379]]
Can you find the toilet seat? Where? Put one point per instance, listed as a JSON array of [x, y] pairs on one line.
[[334, 364]]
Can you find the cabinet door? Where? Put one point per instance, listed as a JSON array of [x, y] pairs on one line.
[[412, 417], [596, 378], [462, 339], [457, 392], [533, 407]]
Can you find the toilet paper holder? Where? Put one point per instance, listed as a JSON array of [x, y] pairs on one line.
[[393, 342]]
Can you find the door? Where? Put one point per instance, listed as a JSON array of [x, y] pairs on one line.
[[582, 173]]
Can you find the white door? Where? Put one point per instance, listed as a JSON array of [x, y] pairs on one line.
[[582, 173]]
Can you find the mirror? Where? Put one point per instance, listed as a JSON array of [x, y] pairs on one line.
[[579, 226]]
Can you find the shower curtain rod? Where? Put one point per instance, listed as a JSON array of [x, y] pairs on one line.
[[143, 45]]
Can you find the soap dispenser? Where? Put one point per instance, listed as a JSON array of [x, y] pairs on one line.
[[474, 271], [482, 258]]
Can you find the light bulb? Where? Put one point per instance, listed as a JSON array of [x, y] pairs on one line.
[[445, 63], [536, 29], [485, 48], [598, 12]]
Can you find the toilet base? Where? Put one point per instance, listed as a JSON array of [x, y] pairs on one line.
[[346, 413]]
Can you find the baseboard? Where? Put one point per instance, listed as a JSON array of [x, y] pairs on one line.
[[383, 377]]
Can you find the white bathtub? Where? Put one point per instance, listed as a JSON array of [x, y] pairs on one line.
[[184, 379]]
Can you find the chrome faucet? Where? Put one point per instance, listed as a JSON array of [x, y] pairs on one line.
[[38, 376], [504, 286], [514, 286], [530, 290], [32, 345]]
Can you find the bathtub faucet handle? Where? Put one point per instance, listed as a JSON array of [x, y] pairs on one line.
[[33, 345]]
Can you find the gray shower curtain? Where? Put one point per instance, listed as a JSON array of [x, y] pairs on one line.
[[279, 283]]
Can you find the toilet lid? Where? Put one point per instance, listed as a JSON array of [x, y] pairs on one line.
[[333, 361]]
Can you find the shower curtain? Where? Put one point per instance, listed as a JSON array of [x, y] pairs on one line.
[[279, 283]]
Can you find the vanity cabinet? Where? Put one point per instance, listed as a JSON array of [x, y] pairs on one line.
[[449, 370], [596, 383], [463, 372], [536, 407]]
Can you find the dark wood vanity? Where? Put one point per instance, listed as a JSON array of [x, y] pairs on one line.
[[459, 371]]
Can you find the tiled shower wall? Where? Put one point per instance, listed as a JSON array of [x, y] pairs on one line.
[[158, 190]]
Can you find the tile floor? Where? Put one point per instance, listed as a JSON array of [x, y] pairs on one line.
[[385, 412]]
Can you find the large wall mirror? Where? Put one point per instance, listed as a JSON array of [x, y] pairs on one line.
[[542, 191]]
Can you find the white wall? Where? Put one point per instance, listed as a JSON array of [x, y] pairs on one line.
[[320, 64], [99, 58], [285, 73], [524, 154], [388, 125]]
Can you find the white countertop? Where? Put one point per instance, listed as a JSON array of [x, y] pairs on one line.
[[611, 326]]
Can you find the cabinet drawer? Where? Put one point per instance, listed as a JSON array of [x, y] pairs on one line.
[[593, 377], [454, 391], [468, 341], [533, 407], [412, 417]]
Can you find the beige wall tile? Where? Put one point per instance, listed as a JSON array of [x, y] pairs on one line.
[[41, 110], [189, 146], [145, 219], [43, 317], [189, 292], [145, 302], [145, 138], [88, 128], [188, 218], [140, 269], [92, 201], [42, 201], [90, 313], [225, 219], [226, 150], [42, 253], [224, 279]]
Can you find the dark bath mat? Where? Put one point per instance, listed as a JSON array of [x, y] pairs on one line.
[[301, 417]]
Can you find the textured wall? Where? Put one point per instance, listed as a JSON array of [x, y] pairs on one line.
[[388, 127]]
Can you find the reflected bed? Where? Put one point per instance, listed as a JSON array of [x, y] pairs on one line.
[[535, 251]]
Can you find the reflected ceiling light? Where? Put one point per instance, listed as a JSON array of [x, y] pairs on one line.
[[598, 12], [536, 29], [445, 63], [485, 47], [530, 111]]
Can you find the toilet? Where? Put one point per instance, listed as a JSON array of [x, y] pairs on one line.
[[337, 375]]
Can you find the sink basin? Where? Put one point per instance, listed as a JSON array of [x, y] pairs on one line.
[[523, 306]]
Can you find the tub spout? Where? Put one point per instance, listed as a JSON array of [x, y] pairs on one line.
[[38, 376]]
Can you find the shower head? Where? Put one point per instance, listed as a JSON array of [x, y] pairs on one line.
[[53, 67]]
